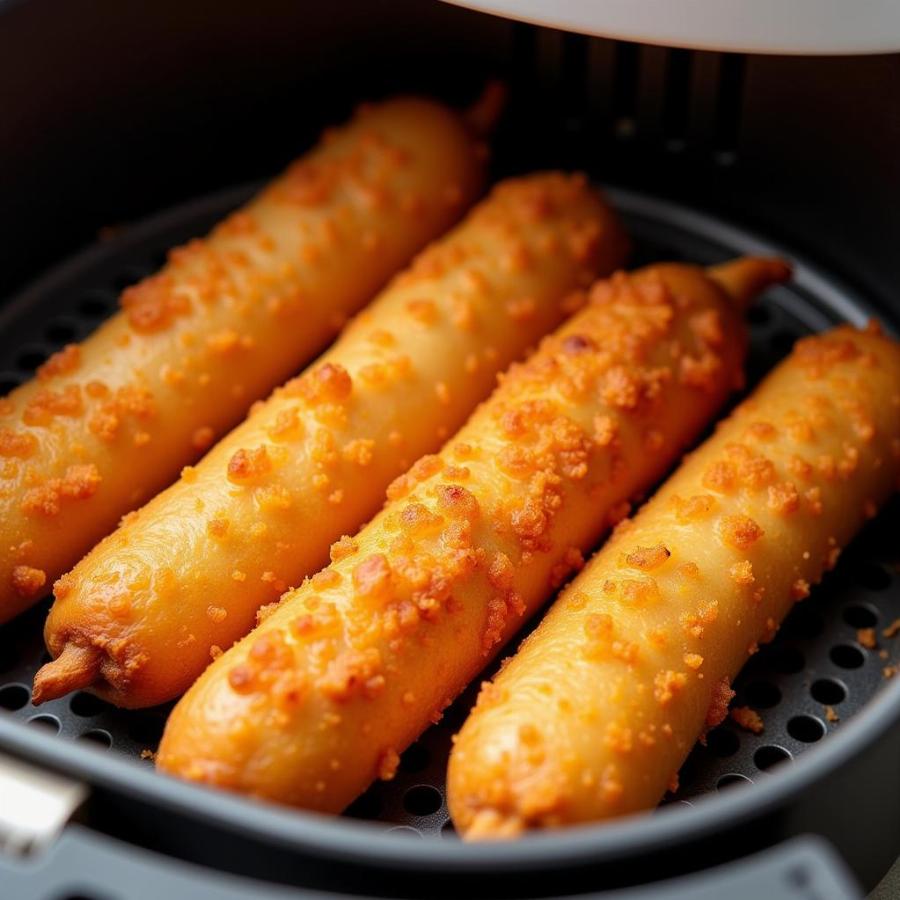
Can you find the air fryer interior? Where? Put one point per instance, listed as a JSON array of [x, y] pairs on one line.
[[178, 101], [809, 682]]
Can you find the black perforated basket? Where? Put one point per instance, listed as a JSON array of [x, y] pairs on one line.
[[824, 698]]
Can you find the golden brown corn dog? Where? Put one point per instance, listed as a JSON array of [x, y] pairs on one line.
[[138, 615], [595, 714], [109, 422], [352, 666]]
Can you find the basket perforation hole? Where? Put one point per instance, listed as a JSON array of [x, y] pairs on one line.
[[769, 755], [97, 736], [87, 705], [128, 277], [847, 656], [859, 616], [828, 691], [783, 341], [145, 730], [405, 831], [422, 800], [786, 660], [47, 722], [872, 576], [761, 694], [722, 742], [9, 654], [8, 383], [61, 331], [730, 780], [759, 315], [80, 897], [806, 729], [29, 358], [96, 305], [687, 774], [13, 697], [455, 715], [366, 806], [415, 759], [805, 622]]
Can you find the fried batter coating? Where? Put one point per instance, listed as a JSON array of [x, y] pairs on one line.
[[352, 666], [189, 571], [574, 729], [108, 423]]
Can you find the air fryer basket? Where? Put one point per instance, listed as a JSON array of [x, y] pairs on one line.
[[809, 685], [671, 123]]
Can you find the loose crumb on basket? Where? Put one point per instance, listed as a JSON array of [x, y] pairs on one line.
[[148, 754], [748, 719], [892, 630], [831, 715], [867, 638], [889, 671]]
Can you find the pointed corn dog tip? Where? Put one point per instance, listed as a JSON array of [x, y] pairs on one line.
[[482, 116], [743, 279], [76, 667], [490, 825]]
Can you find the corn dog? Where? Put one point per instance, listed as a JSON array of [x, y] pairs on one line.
[[107, 423], [595, 714], [137, 617], [352, 666]]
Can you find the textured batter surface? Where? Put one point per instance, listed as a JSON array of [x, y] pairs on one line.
[[596, 712], [351, 667], [184, 576], [107, 423]]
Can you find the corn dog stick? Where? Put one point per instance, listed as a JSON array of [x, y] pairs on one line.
[[189, 571], [352, 666], [595, 714], [109, 422]]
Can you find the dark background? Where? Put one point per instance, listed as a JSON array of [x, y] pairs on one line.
[[111, 110]]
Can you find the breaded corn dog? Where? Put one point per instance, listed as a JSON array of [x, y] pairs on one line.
[[109, 422], [595, 714], [352, 666], [139, 614]]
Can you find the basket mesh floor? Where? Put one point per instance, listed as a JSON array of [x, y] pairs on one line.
[[815, 676]]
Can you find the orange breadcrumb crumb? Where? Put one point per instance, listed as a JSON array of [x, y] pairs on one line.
[[867, 638], [748, 719]]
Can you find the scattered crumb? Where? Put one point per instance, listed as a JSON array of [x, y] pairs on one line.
[[893, 629], [889, 671], [831, 715], [388, 762], [867, 637], [148, 754], [265, 611], [748, 719]]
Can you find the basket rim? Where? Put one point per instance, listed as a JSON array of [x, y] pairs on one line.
[[365, 844]]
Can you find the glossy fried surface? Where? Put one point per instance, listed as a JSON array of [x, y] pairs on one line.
[[109, 422], [595, 714], [323, 696], [184, 576]]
